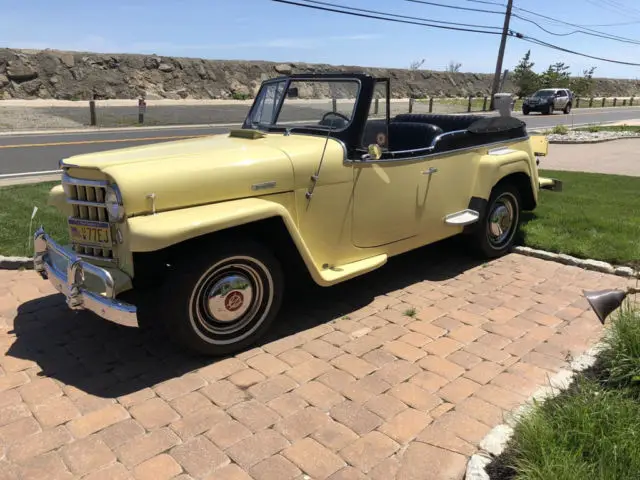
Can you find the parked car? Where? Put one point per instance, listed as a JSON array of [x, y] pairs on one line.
[[205, 235], [547, 100]]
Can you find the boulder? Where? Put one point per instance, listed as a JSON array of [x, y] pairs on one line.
[[166, 67], [19, 71]]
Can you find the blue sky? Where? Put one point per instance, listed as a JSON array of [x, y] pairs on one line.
[[265, 30]]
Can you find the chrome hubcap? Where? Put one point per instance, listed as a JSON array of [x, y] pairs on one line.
[[501, 221], [230, 298]]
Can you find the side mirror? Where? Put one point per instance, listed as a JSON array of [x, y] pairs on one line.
[[292, 92]]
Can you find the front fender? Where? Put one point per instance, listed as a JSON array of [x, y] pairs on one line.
[[151, 233]]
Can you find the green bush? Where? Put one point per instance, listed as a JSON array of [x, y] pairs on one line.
[[560, 130]]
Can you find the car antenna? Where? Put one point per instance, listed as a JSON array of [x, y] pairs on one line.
[[314, 178]]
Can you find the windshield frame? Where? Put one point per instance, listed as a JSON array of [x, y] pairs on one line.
[[275, 127]]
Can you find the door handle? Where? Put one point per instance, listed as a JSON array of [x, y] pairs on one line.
[[429, 171]]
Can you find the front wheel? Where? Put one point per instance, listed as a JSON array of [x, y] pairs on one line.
[[550, 110], [525, 111], [223, 300], [495, 235]]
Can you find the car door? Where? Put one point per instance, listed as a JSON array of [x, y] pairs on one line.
[[389, 198], [561, 99]]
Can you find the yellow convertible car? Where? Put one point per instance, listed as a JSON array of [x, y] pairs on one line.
[[203, 236]]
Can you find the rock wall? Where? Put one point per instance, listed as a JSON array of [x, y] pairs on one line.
[[27, 74]]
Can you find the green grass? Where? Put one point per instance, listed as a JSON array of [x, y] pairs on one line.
[[560, 130], [595, 216], [589, 431], [17, 205], [610, 128]]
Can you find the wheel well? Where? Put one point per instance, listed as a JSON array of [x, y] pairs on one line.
[[150, 268], [522, 182]]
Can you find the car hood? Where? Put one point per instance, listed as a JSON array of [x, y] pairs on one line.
[[200, 170]]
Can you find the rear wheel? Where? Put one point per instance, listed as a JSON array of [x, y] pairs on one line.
[[496, 232], [567, 108], [222, 300]]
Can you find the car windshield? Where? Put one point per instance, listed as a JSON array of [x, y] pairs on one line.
[[544, 93], [320, 104]]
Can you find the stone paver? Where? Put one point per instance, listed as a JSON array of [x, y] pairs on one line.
[[397, 375]]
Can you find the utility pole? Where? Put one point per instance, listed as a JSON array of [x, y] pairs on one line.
[[503, 43]]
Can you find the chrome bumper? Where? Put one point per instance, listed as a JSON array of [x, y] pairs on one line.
[[68, 273], [554, 185]]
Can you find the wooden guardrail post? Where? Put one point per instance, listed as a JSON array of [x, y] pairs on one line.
[[411, 100], [484, 104], [624, 102], [577, 102], [591, 102], [376, 106], [142, 108], [430, 104], [469, 104], [631, 101], [604, 99], [615, 100], [92, 111], [334, 105]]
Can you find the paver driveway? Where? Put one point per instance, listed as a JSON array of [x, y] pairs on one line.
[[395, 375]]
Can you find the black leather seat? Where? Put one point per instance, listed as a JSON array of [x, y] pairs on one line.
[[411, 135], [447, 123]]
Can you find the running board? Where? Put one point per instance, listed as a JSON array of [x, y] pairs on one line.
[[338, 273], [465, 217]]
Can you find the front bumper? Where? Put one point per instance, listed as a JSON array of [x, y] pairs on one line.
[[537, 107], [70, 275]]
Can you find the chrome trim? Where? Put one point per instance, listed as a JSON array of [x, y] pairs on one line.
[[66, 282], [436, 154], [93, 257], [81, 181], [86, 203], [263, 185]]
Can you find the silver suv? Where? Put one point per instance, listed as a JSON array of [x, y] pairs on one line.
[[547, 100]]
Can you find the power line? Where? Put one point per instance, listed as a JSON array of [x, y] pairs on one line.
[[605, 36], [364, 15], [468, 9], [566, 50], [424, 24], [328, 4]]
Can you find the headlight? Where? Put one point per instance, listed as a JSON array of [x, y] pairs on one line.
[[113, 201]]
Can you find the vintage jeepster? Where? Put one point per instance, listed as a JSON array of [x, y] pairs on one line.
[[204, 236]]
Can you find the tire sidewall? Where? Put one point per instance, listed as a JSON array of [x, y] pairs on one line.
[[182, 321], [488, 249]]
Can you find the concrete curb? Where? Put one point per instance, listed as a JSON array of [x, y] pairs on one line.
[[494, 443], [587, 264], [600, 140], [16, 263]]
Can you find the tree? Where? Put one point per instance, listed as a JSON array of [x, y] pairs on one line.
[[453, 67], [525, 79], [416, 64], [557, 75], [583, 86]]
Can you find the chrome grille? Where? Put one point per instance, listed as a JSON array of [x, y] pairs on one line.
[[87, 199]]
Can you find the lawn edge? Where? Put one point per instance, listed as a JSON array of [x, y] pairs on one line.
[[587, 264], [494, 442], [16, 263]]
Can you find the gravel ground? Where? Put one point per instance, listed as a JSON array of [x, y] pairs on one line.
[[582, 137]]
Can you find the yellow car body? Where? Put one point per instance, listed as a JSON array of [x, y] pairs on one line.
[[344, 214]]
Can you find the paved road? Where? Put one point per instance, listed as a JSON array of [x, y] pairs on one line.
[[39, 152]]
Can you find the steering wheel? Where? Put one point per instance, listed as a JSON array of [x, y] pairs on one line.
[[331, 123]]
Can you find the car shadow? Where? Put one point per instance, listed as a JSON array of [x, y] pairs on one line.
[[108, 360]]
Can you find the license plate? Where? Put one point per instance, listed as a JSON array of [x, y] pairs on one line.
[[90, 233]]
